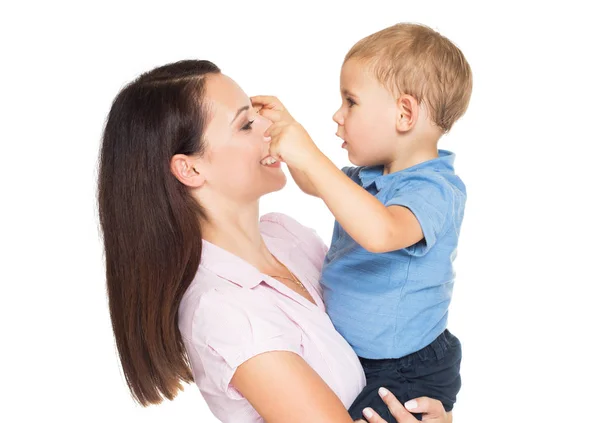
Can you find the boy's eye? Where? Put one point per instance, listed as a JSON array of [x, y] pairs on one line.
[[248, 126], [350, 102]]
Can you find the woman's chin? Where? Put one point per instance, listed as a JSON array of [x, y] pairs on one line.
[[281, 180], [278, 181]]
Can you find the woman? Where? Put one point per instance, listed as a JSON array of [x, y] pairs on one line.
[[183, 166]]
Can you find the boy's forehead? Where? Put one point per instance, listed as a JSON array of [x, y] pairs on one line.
[[355, 74]]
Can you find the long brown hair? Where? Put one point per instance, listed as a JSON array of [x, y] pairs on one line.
[[150, 223]]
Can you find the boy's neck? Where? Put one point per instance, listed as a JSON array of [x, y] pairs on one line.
[[404, 160]]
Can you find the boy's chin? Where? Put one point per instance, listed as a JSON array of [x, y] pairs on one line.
[[358, 161], [353, 159]]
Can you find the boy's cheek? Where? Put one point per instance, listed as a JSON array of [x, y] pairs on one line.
[[361, 130]]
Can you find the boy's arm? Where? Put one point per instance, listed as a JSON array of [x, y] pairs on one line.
[[375, 227], [303, 182]]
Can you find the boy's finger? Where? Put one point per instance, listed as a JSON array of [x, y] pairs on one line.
[[272, 115], [267, 101], [273, 131]]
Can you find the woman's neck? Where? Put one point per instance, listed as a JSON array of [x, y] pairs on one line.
[[236, 229]]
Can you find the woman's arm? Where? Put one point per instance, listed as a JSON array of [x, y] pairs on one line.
[[282, 387]]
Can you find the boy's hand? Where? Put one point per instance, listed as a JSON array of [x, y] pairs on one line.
[[290, 143]]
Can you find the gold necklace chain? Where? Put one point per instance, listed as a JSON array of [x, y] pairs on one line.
[[293, 278]]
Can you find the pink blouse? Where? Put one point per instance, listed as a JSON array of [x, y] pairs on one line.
[[232, 312]]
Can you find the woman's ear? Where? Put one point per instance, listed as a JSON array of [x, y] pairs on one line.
[[407, 113], [187, 171]]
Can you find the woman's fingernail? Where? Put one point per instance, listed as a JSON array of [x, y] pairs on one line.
[[368, 413], [383, 392], [411, 405]]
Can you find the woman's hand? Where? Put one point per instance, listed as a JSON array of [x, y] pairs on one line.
[[432, 410]]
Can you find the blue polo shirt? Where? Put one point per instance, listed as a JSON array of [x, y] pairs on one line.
[[392, 304]]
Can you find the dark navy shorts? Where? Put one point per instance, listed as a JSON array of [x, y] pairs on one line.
[[432, 372]]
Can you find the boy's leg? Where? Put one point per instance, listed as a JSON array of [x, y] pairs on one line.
[[369, 397], [433, 371]]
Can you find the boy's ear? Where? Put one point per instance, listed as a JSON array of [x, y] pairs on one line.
[[407, 113], [187, 171]]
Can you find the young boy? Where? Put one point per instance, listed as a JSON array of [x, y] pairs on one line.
[[388, 277]]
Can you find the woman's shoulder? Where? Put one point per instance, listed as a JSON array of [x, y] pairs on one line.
[[207, 300], [235, 327], [227, 314]]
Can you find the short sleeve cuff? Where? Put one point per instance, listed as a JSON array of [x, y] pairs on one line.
[[426, 216], [236, 357]]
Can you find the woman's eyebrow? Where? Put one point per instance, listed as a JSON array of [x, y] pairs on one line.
[[238, 113]]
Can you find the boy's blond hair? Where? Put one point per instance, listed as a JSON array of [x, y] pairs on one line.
[[414, 59]]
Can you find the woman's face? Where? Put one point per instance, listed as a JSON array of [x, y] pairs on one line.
[[235, 145]]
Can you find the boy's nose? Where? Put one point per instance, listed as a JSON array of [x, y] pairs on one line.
[[337, 117]]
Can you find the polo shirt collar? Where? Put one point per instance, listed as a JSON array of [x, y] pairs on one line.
[[236, 270], [374, 174]]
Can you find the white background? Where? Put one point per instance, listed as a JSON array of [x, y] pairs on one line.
[[526, 294]]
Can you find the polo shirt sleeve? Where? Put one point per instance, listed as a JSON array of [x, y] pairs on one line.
[[430, 198], [226, 333]]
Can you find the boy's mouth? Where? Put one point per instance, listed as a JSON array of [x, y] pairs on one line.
[[344, 143]]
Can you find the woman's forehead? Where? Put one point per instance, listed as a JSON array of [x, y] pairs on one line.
[[225, 95]]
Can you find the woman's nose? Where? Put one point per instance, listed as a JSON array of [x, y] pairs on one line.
[[263, 125]]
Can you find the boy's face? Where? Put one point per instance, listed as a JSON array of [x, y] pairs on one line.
[[367, 118]]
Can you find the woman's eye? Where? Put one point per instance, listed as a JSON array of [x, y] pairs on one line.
[[248, 126], [350, 102]]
